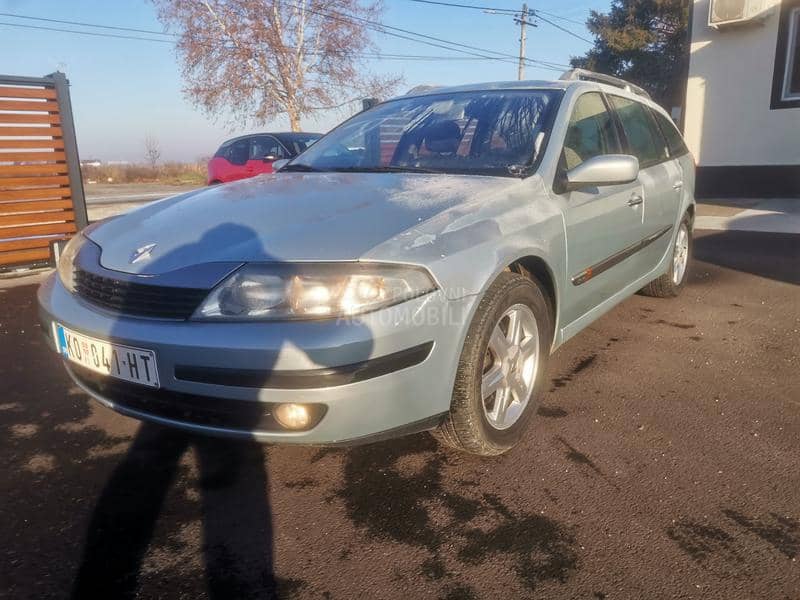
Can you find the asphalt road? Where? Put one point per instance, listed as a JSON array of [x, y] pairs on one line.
[[663, 464], [106, 200], [112, 193]]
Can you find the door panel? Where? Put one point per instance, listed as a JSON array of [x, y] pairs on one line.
[[602, 223], [662, 202], [658, 174], [263, 146], [257, 167], [238, 159]]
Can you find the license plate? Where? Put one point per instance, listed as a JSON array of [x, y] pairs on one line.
[[136, 365]]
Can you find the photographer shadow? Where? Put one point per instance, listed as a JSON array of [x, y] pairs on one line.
[[235, 515], [237, 530]]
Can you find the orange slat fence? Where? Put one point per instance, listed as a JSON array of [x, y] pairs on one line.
[[41, 192]]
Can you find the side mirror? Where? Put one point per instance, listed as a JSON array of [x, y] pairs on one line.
[[279, 164], [270, 158], [608, 169]]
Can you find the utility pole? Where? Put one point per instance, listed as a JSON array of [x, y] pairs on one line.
[[523, 21]]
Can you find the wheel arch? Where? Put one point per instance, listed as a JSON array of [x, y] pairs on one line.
[[536, 268], [690, 211]]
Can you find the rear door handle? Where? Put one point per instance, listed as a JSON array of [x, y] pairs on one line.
[[677, 185], [635, 200]]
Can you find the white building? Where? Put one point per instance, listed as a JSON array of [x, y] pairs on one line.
[[742, 120]]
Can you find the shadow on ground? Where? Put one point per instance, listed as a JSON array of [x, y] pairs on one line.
[[456, 528], [778, 255]]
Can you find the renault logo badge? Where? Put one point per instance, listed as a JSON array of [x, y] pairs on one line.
[[142, 253]]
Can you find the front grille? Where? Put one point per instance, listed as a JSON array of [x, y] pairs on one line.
[[226, 413], [138, 299]]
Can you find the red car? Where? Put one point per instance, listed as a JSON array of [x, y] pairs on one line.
[[251, 155]]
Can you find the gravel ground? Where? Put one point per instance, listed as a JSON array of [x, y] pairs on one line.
[[663, 464]]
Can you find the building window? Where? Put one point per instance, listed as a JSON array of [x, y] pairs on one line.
[[791, 77], [786, 76]]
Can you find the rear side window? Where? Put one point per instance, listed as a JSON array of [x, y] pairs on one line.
[[239, 152], [590, 132], [645, 141], [675, 142], [264, 146], [298, 142]]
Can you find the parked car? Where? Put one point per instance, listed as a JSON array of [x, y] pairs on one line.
[[251, 155], [360, 294]]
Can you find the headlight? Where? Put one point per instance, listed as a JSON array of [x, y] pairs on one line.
[[312, 290], [67, 259]]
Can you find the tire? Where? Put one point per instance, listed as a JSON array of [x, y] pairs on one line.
[[671, 283], [479, 427]]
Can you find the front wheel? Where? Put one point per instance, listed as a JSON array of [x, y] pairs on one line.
[[501, 369], [671, 283]]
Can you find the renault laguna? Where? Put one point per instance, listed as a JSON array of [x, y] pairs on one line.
[[412, 270]]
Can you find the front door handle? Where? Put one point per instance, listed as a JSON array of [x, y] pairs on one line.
[[635, 200], [677, 185]]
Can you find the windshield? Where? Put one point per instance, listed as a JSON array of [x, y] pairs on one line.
[[486, 132]]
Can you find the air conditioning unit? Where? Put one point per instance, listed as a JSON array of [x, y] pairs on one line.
[[722, 13]]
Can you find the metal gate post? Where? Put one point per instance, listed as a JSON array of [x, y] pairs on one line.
[[61, 84]]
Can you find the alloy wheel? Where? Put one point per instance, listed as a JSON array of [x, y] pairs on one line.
[[510, 366], [680, 256]]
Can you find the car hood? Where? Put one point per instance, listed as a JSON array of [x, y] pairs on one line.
[[282, 217]]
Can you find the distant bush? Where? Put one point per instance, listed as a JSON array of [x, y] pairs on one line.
[[169, 173]]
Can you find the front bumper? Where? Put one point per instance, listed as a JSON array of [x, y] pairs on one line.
[[346, 368]]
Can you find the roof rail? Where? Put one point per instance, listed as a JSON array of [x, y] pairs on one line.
[[422, 89], [584, 75]]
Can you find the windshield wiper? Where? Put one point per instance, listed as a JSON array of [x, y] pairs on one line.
[[386, 169], [520, 170], [300, 167]]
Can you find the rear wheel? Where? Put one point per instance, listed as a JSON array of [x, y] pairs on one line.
[[501, 368], [671, 283]]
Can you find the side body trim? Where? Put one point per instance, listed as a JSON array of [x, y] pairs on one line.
[[615, 259]]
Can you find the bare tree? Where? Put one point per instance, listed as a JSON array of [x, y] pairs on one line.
[[152, 150], [256, 59]]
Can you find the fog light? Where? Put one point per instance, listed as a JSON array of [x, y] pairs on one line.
[[292, 416]]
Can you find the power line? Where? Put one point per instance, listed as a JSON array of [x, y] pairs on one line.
[[437, 42], [560, 18], [92, 33], [367, 55], [378, 56], [81, 24], [572, 33], [507, 11], [482, 8], [499, 11], [564, 29]]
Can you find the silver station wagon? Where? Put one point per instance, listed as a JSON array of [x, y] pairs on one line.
[[412, 270]]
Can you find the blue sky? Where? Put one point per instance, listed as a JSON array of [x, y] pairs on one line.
[[123, 90]]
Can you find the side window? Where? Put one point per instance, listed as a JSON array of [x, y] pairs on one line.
[[224, 151], [674, 140], [239, 152], [644, 138], [266, 145], [590, 132], [791, 82]]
